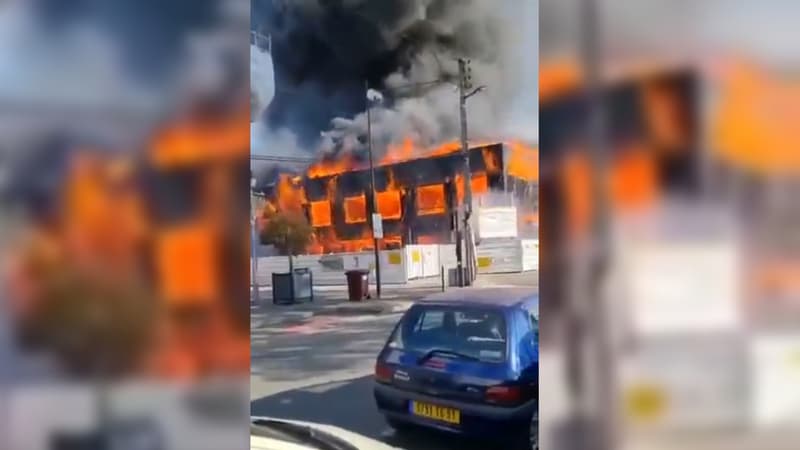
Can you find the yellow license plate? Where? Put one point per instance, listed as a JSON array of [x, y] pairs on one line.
[[441, 413]]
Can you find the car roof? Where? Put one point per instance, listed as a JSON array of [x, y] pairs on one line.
[[491, 296]]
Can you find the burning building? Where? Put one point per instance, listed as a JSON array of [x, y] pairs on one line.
[[418, 198], [404, 56]]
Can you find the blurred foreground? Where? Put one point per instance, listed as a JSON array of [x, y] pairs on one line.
[[124, 313], [671, 298]]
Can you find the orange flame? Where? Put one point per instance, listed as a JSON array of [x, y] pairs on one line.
[[389, 205], [531, 219], [633, 180], [663, 116], [492, 161], [757, 120], [320, 213], [326, 240], [396, 153], [327, 167], [355, 209], [198, 140], [523, 161], [557, 78], [576, 176], [429, 239], [291, 195], [389, 201], [404, 151], [430, 199], [480, 185]]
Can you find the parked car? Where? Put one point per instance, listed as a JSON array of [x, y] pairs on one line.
[[465, 361], [279, 434]]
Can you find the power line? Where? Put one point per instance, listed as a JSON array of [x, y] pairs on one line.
[[281, 159]]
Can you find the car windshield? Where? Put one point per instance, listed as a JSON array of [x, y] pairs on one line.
[[452, 331]]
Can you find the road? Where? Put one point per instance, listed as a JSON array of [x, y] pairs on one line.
[[320, 370]]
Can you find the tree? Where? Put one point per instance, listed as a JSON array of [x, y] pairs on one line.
[[98, 326], [289, 232]]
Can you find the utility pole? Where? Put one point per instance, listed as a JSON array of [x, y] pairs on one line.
[[589, 263], [464, 85], [465, 82], [373, 197]]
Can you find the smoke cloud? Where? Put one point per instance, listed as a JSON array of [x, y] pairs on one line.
[[325, 51]]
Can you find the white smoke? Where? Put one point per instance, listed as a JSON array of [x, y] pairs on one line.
[[263, 140], [262, 79]]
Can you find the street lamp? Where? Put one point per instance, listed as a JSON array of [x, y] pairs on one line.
[[464, 86], [253, 242], [373, 96]]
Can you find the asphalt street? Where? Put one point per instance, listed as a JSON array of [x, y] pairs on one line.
[[348, 404], [320, 370]]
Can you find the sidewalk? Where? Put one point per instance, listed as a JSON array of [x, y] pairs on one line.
[[395, 299], [333, 301]]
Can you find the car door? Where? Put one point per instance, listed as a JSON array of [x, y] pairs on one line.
[[529, 350]]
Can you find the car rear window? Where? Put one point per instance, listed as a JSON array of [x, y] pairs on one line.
[[478, 333]]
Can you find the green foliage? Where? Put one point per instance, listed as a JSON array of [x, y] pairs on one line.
[[288, 232], [95, 326]]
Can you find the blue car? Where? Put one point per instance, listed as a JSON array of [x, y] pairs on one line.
[[465, 361]]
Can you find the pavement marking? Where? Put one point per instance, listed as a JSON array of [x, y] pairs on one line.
[[323, 388]]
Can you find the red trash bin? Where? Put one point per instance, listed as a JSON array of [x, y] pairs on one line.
[[357, 285]]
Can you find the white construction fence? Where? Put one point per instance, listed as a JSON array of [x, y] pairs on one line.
[[401, 265]]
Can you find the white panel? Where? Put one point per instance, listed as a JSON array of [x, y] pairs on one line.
[[685, 382], [447, 255], [498, 222], [775, 374], [409, 264], [430, 260], [499, 256], [413, 257], [48, 405], [678, 287], [530, 254], [393, 267]]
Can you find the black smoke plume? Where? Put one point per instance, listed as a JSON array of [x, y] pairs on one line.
[[325, 50]]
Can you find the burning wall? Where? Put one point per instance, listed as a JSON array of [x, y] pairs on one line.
[[416, 197]]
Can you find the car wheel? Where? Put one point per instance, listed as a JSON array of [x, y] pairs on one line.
[[533, 433]]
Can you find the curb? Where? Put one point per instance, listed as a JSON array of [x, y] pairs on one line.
[[277, 318], [285, 317], [373, 309]]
